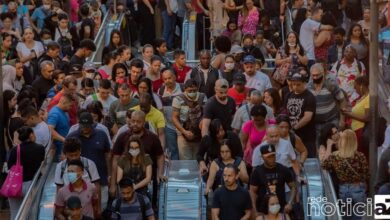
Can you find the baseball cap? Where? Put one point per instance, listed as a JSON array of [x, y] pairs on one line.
[[73, 202], [296, 76], [89, 66], [236, 49], [75, 68], [239, 78], [85, 120], [249, 59], [221, 84], [267, 149]]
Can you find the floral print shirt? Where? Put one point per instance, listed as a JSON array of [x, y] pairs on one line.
[[348, 170], [248, 25]]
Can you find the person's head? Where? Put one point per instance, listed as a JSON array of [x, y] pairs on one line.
[[259, 37], [96, 110], [283, 122], [69, 85], [339, 34], [191, 88], [273, 134], [221, 88], [45, 36], [329, 131], [247, 41], [124, 94], [87, 47], [89, 70], [86, 123], [298, 83], [126, 186], [147, 52], [205, 59], [298, 3], [119, 73], [271, 203], [180, 57], [317, 73], [272, 98], [115, 38], [229, 62], [356, 31], [26, 134], [125, 53], [292, 39], [366, 13], [316, 13], [145, 102], [169, 77], [73, 205], [160, 46], [145, 86], [239, 82], [249, 4], [84, 10], [72, 148], [63, 21], [328, 19], [53, 49], [249, 65], [137, 121], [227, 150], [237, 53], [104, 89], [222, 44], [258, 114], [75, 171], [28, 34], [216, 129], [47, 69], [30, 116], [87, 86], [361, 85], [136, 67], [7, 18], [66, 102], [350, 53], [155, 65], [267, 152], [255, 97], [7, 40], [87, 29], [231, 25], [135, 148], [9, 99], [347, 145], [230, 175], [12, 8]]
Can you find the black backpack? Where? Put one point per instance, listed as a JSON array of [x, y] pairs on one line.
[[66, 44], [107, 213]]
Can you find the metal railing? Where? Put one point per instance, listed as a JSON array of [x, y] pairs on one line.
[[330, 193]]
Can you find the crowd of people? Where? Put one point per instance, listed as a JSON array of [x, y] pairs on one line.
[[112, 126]]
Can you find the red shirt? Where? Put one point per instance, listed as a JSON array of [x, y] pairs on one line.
[[72, 112], [181, 74], [238, 97], [156, 84]]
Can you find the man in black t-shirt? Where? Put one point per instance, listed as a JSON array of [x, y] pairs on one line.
[[87, 47], [301, 108], [231, 201], [271, 177], [220, 106]]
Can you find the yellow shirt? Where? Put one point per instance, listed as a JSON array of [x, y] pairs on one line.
[[359, 109], [154, 117]]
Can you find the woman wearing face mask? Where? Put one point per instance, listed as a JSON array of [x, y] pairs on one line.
[[222, 46], [273, 209], [229, 70], [136, 165]]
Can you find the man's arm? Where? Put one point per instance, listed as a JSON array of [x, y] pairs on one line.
[[215, 213], [253, 193], [293, 189], [58, 212], [205, 126], [161, 136], [160, 167], [55, 134], [114, 168], [247, 215], [304, 120]]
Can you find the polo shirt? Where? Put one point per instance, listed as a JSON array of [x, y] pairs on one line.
[[60, 121], [118, 111], [88, 197], [100, 126], [133, 210], [259, 81], [154, 116], [95, 148]]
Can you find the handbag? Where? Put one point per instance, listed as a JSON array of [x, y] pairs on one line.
[[13, 184], [280, 74]]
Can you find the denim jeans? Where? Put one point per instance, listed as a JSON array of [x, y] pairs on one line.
[[169, 26], [356, 192], [171, 143]]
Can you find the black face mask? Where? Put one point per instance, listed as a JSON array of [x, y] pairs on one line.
[[318, 80]]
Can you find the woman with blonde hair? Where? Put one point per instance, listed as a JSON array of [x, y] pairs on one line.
[[350, 167], [136, 165]]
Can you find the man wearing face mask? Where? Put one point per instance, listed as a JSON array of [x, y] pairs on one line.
[[231, 201], [250, 49], [40, 14], [229, 70], [204, 74], [328, 97], [86, 191], [186, 115]]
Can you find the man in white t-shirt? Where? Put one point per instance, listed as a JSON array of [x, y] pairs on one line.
[[255, 79]]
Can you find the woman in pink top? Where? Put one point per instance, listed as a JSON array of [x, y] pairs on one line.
[[253, 131], [248, 18]]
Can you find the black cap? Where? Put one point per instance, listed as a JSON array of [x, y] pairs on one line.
[[239, 78], [73, 202], [85, 120], [76, 68], [296, 76], [267, 149]]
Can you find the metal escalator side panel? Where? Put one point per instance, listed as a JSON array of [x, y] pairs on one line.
[[46, 203], [330, 193]]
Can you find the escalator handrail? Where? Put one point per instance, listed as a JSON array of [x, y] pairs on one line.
[[329, 184], [35, 186]]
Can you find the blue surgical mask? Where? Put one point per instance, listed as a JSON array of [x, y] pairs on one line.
[[192, 95], [72, 177]]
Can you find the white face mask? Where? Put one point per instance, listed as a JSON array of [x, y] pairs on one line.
[[292, 44], [134, 152], [229, 66], [47, 7], [274, 209]]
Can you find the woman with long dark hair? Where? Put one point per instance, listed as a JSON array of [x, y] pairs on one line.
[[115, 42], [356, 39], [160, 50], [145, 86], [273, 100]]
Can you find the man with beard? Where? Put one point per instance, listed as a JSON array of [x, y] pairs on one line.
[[131, 205], [328, 97], [336, 51], [231, 201]]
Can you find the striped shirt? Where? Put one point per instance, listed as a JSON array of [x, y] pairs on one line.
[[326, 100]]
